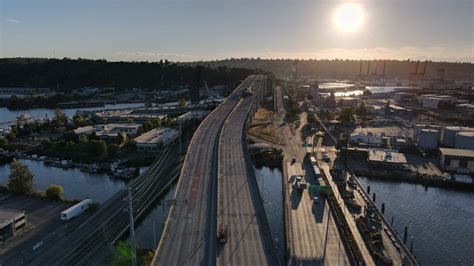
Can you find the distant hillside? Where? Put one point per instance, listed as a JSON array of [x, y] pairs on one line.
[[345, 69], [65, 74]]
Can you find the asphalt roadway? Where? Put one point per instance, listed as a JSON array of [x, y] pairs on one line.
[[85, 243], [189, 236], [239, 206], [312, 234]]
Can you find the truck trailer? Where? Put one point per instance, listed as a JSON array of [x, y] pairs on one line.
[[76, 210]]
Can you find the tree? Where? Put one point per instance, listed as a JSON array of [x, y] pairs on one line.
[[59, 117], [78, 120], [182, 102], [148, 105], [46, 143], [20, 179], [97, 149], [122, 138], [361, 109], [3, 143], [93, 136], [346, 115], [156, 122], [366, 93], [387, 106], [112, 149], [169, 122], [54, 192], [311, 119]]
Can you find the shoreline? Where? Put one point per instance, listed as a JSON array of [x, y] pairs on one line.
[[440, 183]]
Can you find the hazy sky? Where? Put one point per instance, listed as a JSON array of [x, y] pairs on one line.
[[211, 29]]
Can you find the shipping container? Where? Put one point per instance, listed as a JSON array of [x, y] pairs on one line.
[[76, 210]]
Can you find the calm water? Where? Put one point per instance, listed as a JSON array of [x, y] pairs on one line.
[[148, 231], [383, 89], [270, 184], [76, 184], [440, 221], [39, 113], [355, 92]]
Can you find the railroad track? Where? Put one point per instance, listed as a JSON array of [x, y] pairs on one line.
[[83, 244]]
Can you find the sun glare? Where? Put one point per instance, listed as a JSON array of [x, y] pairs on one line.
[[349, 17]]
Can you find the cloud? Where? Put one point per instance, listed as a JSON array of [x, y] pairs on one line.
[[11, 20]]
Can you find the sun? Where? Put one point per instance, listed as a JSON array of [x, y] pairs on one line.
[[349, 17]]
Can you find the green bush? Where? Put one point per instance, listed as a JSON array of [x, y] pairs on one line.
[[54, 192]]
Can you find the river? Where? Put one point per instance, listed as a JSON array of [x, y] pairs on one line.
[[148, 231], [39, 113], [440, 221], [76, 184], [352, 91], [270, 184]]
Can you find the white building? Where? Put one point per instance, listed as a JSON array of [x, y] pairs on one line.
[[108, 130], [375, 109], [369, 138], [197, 114], [385, 158], [11, 223], [153, 140], [349, 101], [435, 101], [457, 160]]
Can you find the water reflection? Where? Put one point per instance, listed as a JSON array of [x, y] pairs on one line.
[[76, 184], [439, 220]]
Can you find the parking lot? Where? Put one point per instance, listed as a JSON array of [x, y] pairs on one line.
[[43, 218]]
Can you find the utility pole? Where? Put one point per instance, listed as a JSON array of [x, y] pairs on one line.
[[132, 228], [154, 234], [179, 137]]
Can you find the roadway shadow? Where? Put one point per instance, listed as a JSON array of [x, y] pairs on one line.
[[307, 261], [295, 198], [318, 209], [309, 173], [291, 179]]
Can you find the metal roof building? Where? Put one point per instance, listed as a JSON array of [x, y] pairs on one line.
[[457, 160]]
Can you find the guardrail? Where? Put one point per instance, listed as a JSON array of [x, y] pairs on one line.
[[350, 243], [369, 201]]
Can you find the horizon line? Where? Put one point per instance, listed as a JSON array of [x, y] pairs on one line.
[[242, 58]]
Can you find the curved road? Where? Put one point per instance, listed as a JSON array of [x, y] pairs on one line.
[[189, 237], [237, 206]]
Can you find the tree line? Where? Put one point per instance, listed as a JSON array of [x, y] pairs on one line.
[[66, 74], [344, 68]]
